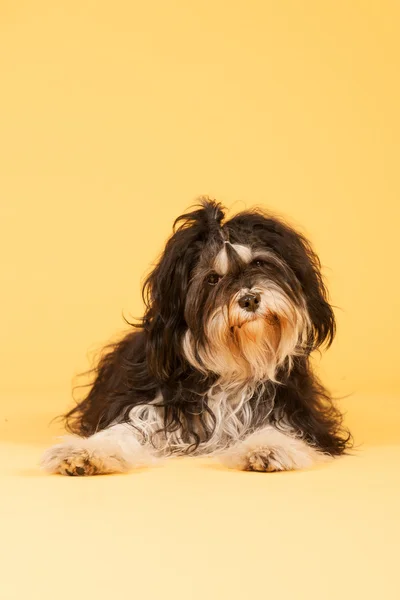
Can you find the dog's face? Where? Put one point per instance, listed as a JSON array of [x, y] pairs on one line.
[[239, 300], [245, 311]]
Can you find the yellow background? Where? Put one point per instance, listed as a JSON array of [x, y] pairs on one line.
[[114, 116]]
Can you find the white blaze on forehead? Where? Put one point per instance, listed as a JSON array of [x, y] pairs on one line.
[[221, 263]]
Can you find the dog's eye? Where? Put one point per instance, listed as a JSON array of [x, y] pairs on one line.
[[258, 262], [213, 279]]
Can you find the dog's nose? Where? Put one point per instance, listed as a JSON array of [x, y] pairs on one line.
[[250, 302]]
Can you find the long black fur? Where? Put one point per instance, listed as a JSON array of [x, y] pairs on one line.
[[150, 360]]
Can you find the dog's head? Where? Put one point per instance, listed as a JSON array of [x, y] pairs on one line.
[[237, 299]]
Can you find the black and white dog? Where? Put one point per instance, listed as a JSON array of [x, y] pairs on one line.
[[219, 364]]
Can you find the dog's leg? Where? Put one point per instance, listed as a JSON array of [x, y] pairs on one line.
[[269, 450], [113, 450]]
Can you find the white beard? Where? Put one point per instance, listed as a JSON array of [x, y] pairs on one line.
[[251, 347]]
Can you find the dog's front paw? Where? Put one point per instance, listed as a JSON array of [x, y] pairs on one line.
[[271, 450], [263, 460], [75, 458], [69, 460]]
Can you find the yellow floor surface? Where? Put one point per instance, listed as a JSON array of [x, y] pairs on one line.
[[194, 530]]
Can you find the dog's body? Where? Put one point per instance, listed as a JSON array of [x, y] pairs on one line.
[[220, 362]]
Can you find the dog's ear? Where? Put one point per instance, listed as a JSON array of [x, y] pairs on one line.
[[165, 289], [307, 267]]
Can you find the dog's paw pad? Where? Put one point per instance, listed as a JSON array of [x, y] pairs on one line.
[[67, 460], [78, 464], [262, 460]]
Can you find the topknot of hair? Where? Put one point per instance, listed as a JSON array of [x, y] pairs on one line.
[[208, 213]]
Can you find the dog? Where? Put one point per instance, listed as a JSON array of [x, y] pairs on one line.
[[219, 365]]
